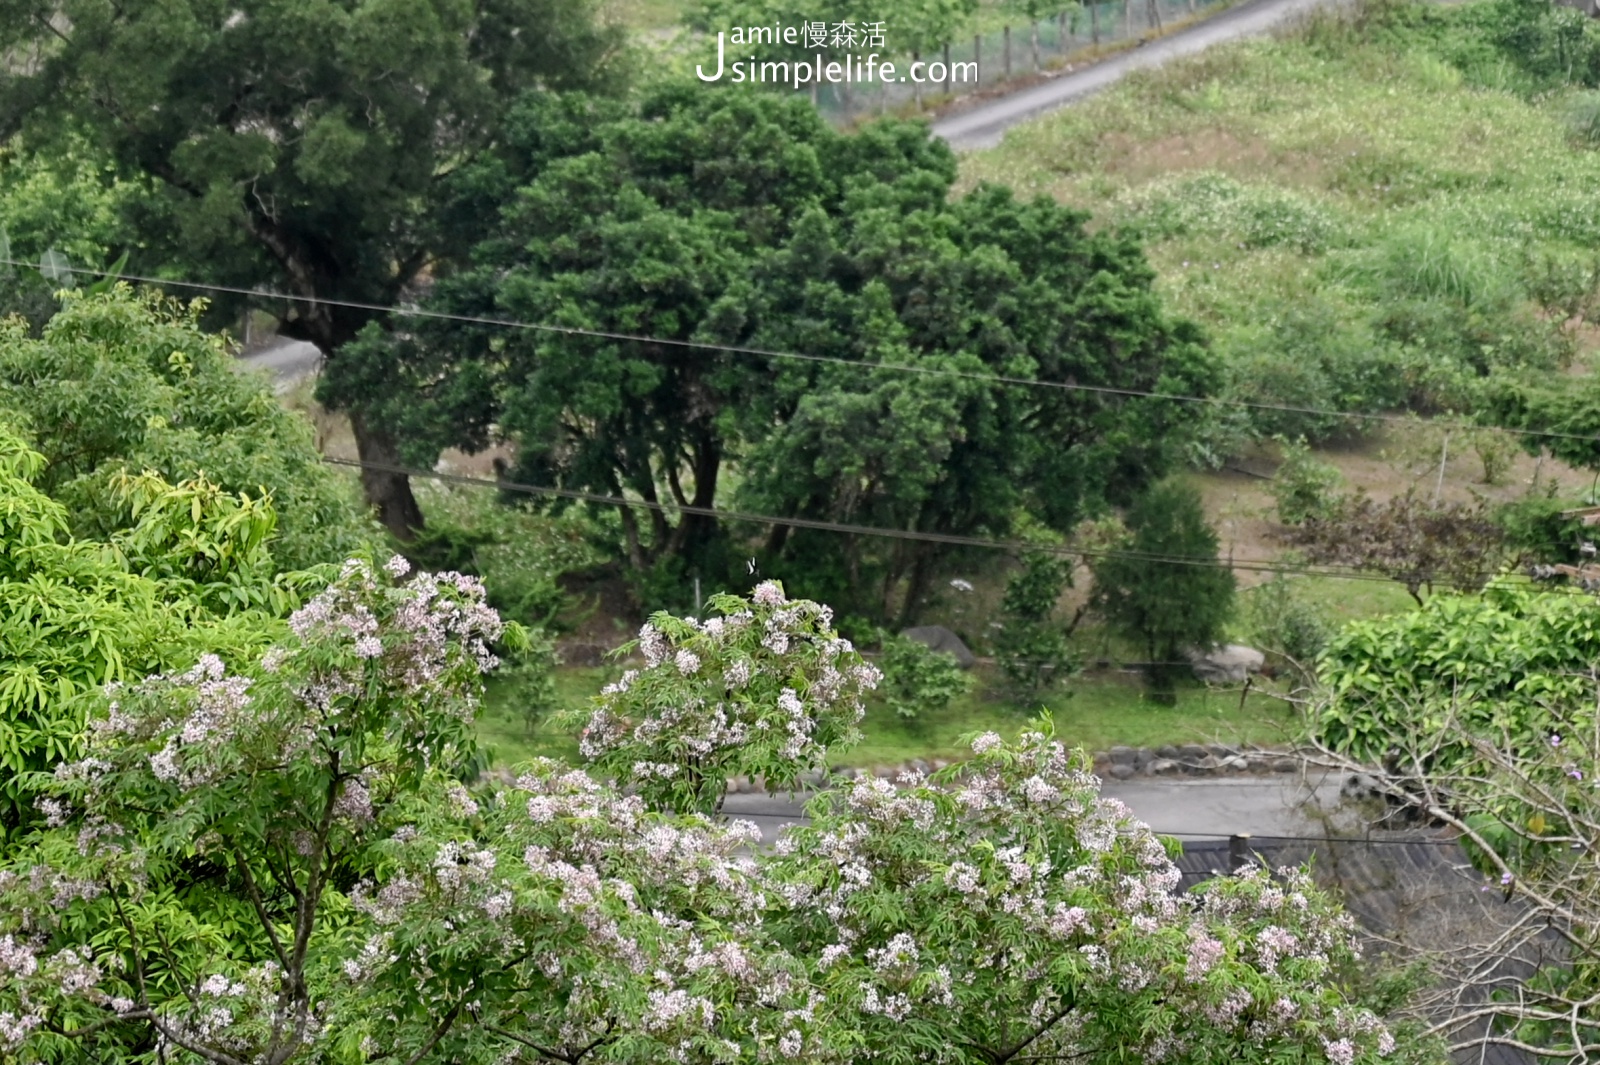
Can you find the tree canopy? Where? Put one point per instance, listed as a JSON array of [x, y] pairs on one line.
[[189, 572], [742, 220], [297, 146], [124, 383], [1163, 586]]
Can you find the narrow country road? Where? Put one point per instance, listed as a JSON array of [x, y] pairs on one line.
[[983, 126], [288, 361], [1195, 809]]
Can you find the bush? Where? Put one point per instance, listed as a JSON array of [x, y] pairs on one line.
[[918, 680], [1281, 622], [1303, 485], [1165, 588], [1213, 204], [1583, 117], [1030, 644]]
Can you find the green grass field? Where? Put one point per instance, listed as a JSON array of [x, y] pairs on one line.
[[1096, 712]]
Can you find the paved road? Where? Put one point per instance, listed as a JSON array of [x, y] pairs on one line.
[[1196, 809], [983, 126], [286, 360]]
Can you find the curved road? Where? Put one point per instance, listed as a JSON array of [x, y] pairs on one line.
[[983, 126]]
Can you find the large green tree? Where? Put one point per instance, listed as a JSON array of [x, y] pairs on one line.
[[295, 144], [741, 219]]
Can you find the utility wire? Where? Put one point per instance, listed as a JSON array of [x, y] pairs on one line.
[[1245, 565], [734, 349], [1261, 565]]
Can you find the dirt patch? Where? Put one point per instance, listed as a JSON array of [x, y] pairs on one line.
[[1239, 502]]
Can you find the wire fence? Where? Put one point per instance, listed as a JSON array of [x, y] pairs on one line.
[[986, 61]]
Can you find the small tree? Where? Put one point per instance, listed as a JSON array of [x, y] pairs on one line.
[[1163, 587], [1031, 644], [1406, 539]]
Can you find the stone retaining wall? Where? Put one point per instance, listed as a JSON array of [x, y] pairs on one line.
[[1119, 763]]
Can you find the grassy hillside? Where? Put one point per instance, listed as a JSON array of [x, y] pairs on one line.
[[1360, 222]]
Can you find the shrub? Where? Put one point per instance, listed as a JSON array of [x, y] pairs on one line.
[[1583, 117], [918, 680], [1303, 485], [1281, 622], [1030, 644], [1164, 588]]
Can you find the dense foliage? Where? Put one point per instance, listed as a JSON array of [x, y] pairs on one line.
[[1478, 713], [296, 146], [189, 573], [120, 383], [734, 219], [1497, 665], [917, 680], [1163, 586], [270, 861]]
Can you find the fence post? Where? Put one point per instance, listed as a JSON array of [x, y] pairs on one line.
[[948, 80], [1061, 33], [1238, 851], [1155, 14], [1008, 52], [977, 56], [916, 86], [1127, 19], [1094, 23]]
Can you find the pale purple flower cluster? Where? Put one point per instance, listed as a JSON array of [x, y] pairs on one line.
[[724, 692]]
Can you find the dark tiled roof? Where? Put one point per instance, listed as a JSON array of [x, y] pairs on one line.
[[1405, 891]]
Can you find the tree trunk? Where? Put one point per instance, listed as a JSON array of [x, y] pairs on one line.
[[917, 584], [388, 491], [694, 529]]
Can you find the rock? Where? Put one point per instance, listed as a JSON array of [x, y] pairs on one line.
[[1204, 764], [940, 763], [1360, 786], [883, 772], [1229, 664], [1284, 765], [1121, 755], [939, 638], [1167, 751], [917, 765], [1222, 750], [582, 652], [1234, 764], [1163, 766], [1193, 752], [1143, 756], [1122, 771]]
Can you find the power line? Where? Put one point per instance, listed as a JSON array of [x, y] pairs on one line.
[[953, 539], [1245, 565], [734, 349]]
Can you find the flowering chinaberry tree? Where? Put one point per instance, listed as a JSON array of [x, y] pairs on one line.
[[278, 865]]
